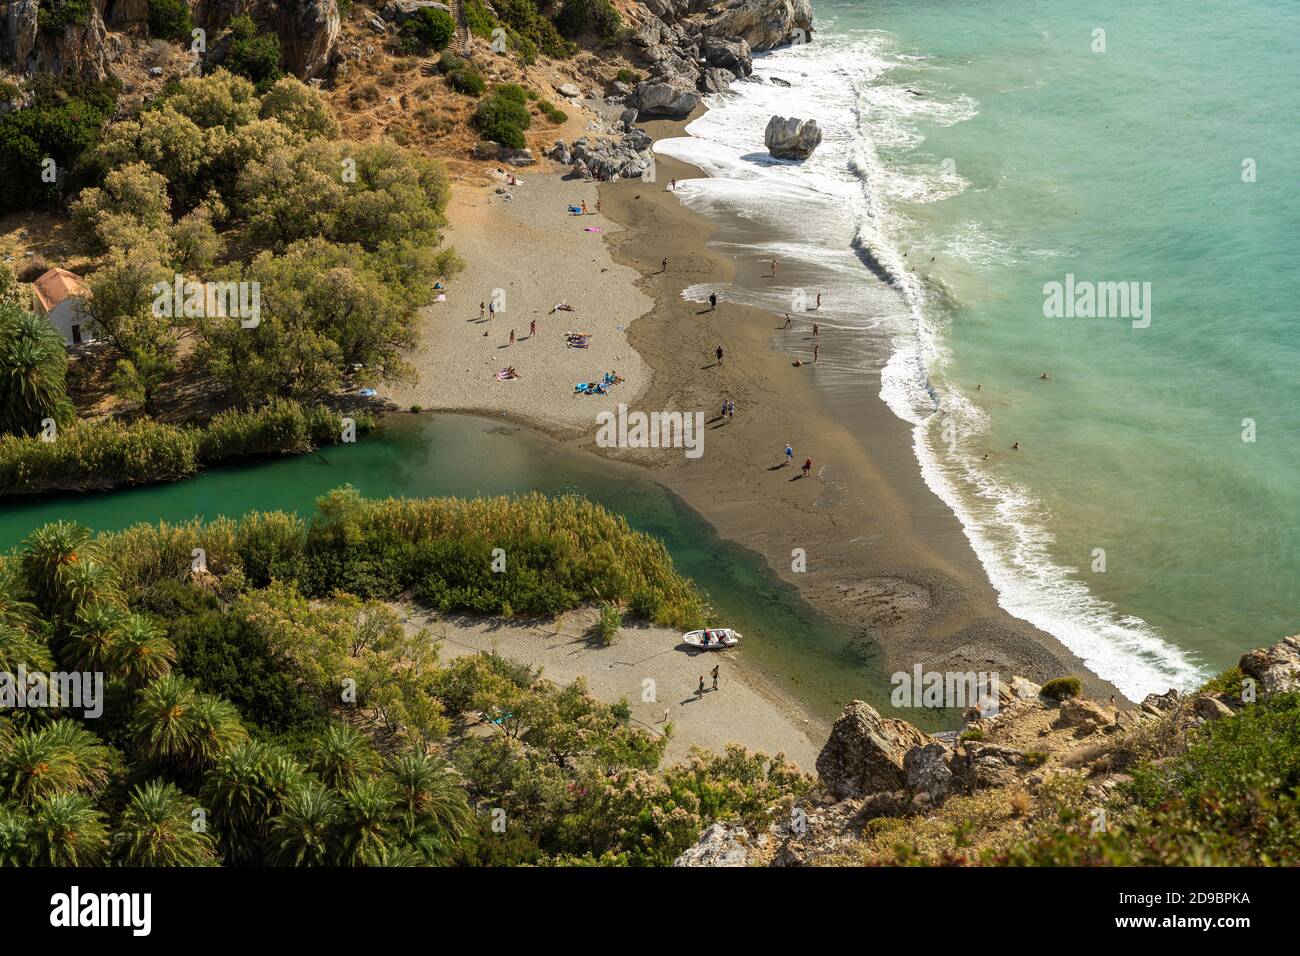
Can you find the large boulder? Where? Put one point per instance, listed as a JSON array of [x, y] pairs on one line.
[[1275, 669], [927, 770], [791, 138], [1077, 712], [727, 53], [659, 98], [864, 754], [399, 11]]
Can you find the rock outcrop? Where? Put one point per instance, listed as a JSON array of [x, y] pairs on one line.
[[625, 158], [865, 752], [1275, 669], [76, 49], [791, 138], [308, 30], [719, 845], [665, 98]]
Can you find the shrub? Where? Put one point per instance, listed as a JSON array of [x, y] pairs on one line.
[[429, 29], [466, 81], [252, 54], [973, 734], [528, 28], [611, 619], [170, 20], [107, 454], [579, 17], [503, 117], [628, 76], [479, 17], [1059, 688], [1228, 684], [56, 127], [53, 15]]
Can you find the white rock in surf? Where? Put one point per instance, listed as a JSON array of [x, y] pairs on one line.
[[791, 138]]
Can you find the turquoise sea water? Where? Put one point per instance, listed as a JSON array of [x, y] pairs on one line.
[[977, 151]]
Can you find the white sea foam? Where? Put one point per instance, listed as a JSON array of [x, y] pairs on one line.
[[840, 211]]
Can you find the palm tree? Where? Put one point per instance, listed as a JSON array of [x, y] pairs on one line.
[[343, 756], [162, 726], [47, 552], [15, 609], [82, 583], [302, 834], [58, 759], [15, 837], [90, 642], [33, 373], [142, 654], [17, 647], [435, 808], [67, 830], [244, 789], [366, 830], [217, 730], [156, 830]]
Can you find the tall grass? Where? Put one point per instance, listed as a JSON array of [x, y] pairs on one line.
[[527, 555], [96, 456]]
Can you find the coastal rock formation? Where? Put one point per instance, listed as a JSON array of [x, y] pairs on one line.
[[763, 24], [399, 11], [665, 98], [865, 752], [791, 138], [1276, 669], [727, 53], [627, 158], [73, 49]]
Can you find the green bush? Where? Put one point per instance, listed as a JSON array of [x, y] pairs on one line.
[[466, 81], [611, 619], [252, 54], [170, 20], [58, 127], [428, 29], [580, 17], [502, 117], [479, 17], [1059, 688], [630, 77], [529, 28], [53, 15]]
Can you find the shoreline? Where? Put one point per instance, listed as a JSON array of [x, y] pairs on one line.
[[884, 555]]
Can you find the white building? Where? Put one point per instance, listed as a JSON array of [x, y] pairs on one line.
[[59, 298]]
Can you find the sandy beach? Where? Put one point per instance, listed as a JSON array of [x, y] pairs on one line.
[[880, 551], [645, 662], [538, 254]]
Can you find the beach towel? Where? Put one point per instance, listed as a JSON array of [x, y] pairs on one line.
[[592, 229], [505, 376]]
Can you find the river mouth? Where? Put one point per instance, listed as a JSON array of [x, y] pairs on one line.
[[818, 661]]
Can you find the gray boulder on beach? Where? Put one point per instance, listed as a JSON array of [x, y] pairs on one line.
[[791, 138]]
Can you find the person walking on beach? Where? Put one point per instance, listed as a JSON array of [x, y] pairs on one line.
[[532, 328], [700, 690], [665, 266], [512, 336], [719, 354], [819, 301], [731, 408], [482, 308], [816, 349], [492, 310], [715, 676], [807, 466], [713, 302], [789, 454], [772, 274], [787, 321]]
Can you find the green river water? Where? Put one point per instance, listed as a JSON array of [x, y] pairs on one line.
[[818, 661]]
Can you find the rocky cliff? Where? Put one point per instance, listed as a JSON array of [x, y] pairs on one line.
[[73, 49], [883, 776]]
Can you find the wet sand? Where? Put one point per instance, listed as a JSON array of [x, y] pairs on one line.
[[882, 551]]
